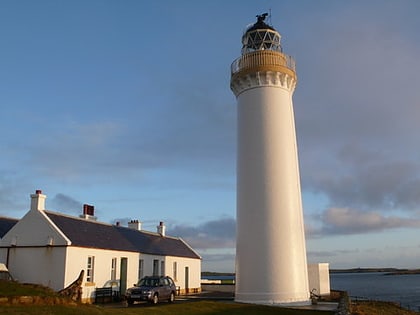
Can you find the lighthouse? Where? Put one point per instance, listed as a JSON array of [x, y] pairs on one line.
[[271, 266]]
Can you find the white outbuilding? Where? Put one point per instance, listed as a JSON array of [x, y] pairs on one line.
[[51, 249]]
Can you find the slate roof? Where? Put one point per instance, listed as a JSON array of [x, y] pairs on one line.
[[94, 234], [6, 224]]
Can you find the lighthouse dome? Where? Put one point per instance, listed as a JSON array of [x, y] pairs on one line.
[[260, 36]]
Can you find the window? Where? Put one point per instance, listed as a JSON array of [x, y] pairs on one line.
[[175, 270], [90, 268], [155, 267], [114, 269], [141, 268], [162, 268]]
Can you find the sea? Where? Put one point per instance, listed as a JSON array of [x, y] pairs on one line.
[[401, 289]]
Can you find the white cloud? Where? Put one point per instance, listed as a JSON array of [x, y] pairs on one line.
[[342, 221]]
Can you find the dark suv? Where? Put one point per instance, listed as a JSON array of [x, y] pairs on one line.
[[152, 289]]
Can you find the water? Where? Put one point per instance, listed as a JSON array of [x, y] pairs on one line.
[[403, 289]]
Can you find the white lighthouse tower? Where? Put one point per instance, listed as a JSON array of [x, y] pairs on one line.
[[271, 265]]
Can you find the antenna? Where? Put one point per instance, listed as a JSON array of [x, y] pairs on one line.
[[269, 16]]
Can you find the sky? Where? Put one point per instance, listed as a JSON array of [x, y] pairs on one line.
[[126, 105]]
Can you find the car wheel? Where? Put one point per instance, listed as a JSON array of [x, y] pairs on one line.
[[155, 299], [172, 297], [130, 302]]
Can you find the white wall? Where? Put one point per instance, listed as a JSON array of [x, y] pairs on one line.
[[194, 266], [34, 229], [270, 231], [30, 258], [319, 278], [41, 265], [77, 261]]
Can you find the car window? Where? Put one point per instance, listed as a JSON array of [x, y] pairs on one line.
[[149, 282]]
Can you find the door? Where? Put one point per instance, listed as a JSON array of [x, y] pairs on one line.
[[123, 276], [187, 279]]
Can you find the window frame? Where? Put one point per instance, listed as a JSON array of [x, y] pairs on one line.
[[90, 269], [113, 269]]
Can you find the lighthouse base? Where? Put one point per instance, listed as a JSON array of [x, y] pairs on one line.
[[273, 299]]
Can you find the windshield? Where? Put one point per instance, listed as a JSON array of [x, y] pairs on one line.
[[149, 282]]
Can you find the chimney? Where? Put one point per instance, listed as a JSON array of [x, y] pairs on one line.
[[88, 212], [161, 228], [135, 225], [38, 201]]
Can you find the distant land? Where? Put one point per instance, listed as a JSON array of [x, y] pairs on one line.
[[216, 274], [386, 271]]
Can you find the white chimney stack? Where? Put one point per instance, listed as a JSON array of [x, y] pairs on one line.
[[161, 228], [135, 225], [38, 201]]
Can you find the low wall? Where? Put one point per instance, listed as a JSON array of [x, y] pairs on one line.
[[218, 288]]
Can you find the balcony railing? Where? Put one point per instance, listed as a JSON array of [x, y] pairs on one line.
[[262, 58]]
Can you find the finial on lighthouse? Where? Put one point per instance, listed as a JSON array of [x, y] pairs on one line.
[[261, 17]]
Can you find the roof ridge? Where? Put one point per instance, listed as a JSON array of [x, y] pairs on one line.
[[8, 218], [147, 232], [76, 218]]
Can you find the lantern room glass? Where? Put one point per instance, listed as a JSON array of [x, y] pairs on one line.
[[261, 39]]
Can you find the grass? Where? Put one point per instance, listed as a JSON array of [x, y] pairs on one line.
[[191, 308], [8, 288], [379, 308], [12, 288], [197, 308]]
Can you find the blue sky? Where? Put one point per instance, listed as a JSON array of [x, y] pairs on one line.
[[126, 105]]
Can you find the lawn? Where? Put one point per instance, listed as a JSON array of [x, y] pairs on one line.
[[12, 288], [190, 308], [8, 289]]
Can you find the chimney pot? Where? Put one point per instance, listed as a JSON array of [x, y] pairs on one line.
[[88, 212], [135, 225], [38, 191], [161, 229]]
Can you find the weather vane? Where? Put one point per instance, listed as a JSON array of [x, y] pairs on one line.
[[261, 17]]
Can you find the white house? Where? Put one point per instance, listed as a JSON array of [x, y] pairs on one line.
[[51, 249]]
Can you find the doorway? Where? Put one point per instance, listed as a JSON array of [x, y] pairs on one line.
[[187, 279], [123, 275]]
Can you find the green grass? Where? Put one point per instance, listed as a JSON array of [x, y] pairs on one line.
[[191, 308], [379, 308], [8, 289], [12, 288]]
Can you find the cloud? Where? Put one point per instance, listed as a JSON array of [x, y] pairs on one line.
[[371, 181], [64, 203], [357, 110], [73, 150], [212, 234], [343, 221], [224, 262], [332, 253]]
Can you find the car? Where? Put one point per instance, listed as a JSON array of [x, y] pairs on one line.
[[152, 289]]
